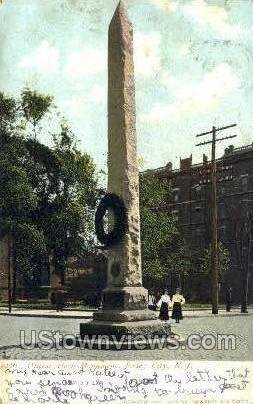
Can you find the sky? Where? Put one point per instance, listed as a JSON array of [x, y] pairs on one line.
[[193, 69]]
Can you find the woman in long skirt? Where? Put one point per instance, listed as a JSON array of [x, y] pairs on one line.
[[164, 304], [177, 301]]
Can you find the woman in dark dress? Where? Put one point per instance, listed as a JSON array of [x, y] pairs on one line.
[[177, 301], [164, 304]]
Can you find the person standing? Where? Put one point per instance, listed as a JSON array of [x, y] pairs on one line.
[[228, 298], [177, 301], [164, 304]]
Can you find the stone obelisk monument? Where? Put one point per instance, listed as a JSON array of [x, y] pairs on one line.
[[125, 301]]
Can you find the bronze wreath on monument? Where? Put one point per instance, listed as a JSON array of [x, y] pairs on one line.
[[116, 204]]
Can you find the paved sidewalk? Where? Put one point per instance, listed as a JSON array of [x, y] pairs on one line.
[[87, 314], [46, 313], [208, 313]]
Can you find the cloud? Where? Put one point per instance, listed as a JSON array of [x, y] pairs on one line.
[[75, 105], [98, 93], [45, 59], [193, 98], [169, 81], [184, 49], [147, 56], [166, 5], [215, 84], [88, 61], [215, 16]]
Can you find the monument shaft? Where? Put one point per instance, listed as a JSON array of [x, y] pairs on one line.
[[124, 299], [123, 176]]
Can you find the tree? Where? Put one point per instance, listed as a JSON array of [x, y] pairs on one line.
[[179, 258], [34, 107], [47, 194], [158, 230], [71, 224], [223, 259], [17, 199], [8, 112]]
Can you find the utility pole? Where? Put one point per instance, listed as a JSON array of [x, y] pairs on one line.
[[213, 212]]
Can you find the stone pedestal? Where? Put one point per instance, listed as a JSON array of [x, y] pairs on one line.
[[148, 329]]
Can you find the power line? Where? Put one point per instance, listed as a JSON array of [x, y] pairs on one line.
[[217, 140], [217, 129]]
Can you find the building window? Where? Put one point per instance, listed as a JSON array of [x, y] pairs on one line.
[[244, 182], [198, 232], [196, 192], [222, 232], [222, 210], [221, 189], [175, 193], [250, 184]]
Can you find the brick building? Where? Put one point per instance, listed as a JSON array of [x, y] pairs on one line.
[[190, 202]]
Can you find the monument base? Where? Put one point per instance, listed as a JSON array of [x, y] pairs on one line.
[[123, 320], [146, 328], [121, 316], [126, 336], [130, 335], [149, 334]]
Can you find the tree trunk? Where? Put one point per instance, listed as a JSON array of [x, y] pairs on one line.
[[14, 275], [10, 272]]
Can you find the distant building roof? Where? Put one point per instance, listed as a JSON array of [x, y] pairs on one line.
[[186, 163]]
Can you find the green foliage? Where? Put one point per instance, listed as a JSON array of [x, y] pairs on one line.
[[77, 169], [17, 197], [29, 240], [179, 257], [16, 194], [47, 194], [158, 229], [35, 106], [8, 112], [70, 225], [223, 259]]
